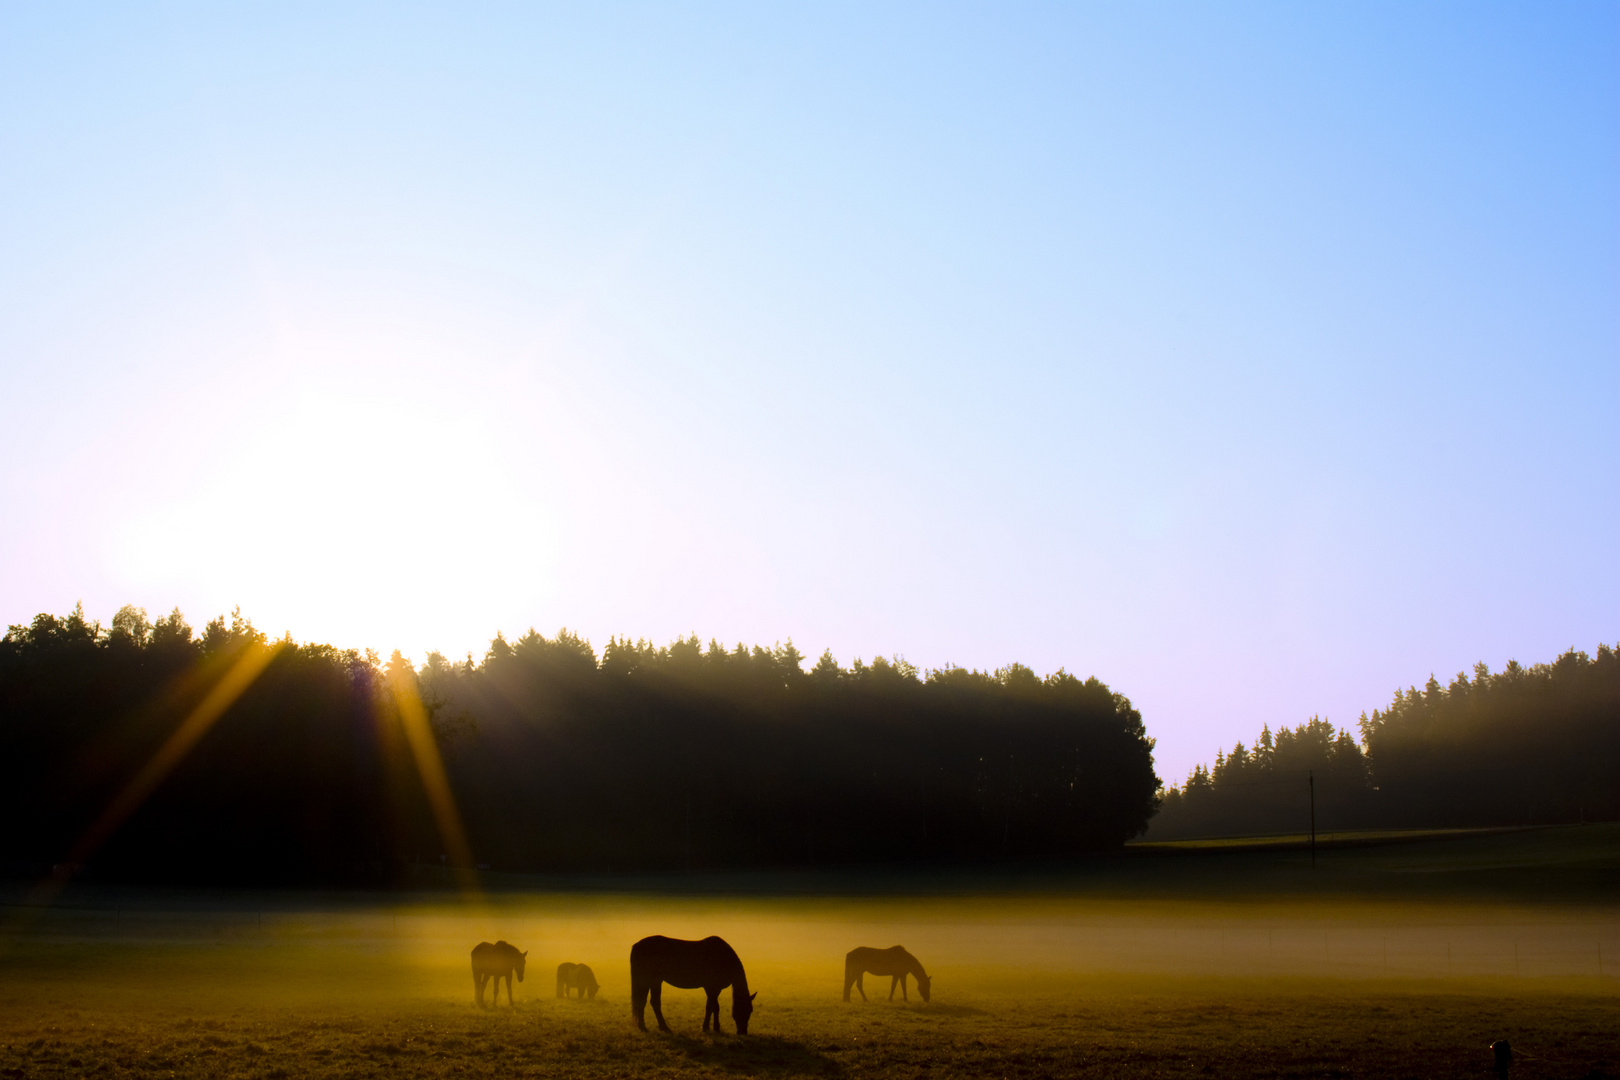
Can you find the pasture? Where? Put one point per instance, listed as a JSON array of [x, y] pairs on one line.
[[1118, 973]]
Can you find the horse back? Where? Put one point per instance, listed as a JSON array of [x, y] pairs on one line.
[[684, 964], [891, 961], [490, 959]]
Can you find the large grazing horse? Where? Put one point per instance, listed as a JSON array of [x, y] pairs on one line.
[[576, 977], [497, 961], [895, 961], [710, 964]]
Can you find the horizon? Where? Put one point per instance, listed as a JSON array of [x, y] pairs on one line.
[[807, 659], [1257, 361]]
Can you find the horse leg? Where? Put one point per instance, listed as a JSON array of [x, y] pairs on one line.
[[849, 981], [658, 1004], [903, 996], [860, 984], [894, 982], [478, 988], [638, 1005], [509, 1000]]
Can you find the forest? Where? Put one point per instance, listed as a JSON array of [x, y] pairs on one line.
[[147, 751], [1535, 745]]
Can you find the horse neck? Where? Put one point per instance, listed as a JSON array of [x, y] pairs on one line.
[[914, 966], [739, 985]]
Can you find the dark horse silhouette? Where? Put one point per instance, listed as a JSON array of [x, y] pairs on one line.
[[710, 964], [576, 977], [895, 961], [497, 961]]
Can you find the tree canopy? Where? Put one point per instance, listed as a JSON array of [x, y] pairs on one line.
[[557, 757], [1535, 745]]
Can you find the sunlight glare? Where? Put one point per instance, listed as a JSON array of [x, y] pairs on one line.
[[358, 520]]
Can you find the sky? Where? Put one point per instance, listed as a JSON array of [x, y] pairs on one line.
[[1256, 358]]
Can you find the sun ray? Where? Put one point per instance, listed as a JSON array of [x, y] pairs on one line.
[[435, 783], [249, 664]]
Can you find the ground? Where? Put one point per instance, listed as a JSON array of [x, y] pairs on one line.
[[1414, 977], [1146, 1029]]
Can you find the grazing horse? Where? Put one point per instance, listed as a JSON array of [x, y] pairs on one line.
[[497, 961], [710, 964], [576, 977], [895, 961]]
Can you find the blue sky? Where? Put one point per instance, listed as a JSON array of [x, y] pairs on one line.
[[1256, 358]]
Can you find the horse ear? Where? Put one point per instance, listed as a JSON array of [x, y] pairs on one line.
[[754, 995], [525, 953]]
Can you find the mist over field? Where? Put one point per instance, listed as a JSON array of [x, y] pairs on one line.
[[1391, 960]]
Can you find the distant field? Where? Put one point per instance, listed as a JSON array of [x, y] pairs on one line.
[[1322, 839], [1119, 973]]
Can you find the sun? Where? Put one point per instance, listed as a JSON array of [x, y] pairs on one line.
[[363, 520]]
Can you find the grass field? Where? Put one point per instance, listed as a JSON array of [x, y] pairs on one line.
[[1035, 975]]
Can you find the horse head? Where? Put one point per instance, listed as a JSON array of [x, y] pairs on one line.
[[742, 1007], [522, 959], [924, 985]]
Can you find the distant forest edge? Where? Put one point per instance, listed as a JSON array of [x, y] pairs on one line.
[[1523, 746], [145, 751]]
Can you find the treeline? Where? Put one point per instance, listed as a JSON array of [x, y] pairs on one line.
[[1523, 746], [557, 759]]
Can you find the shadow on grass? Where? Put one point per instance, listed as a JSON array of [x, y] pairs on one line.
[[755, 1054]]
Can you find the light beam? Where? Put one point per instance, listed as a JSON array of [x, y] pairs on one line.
[[430, 767]]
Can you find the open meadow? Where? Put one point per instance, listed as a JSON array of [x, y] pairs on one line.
[[1398, 960]]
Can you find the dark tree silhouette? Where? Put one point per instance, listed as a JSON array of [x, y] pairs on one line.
[[1524, 746], [644, 758]]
